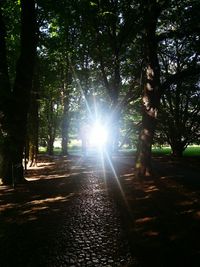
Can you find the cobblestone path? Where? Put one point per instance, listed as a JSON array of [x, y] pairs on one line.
[[87, 230], [92, 234]]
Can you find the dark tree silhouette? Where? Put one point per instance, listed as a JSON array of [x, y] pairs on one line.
[[19, 97]]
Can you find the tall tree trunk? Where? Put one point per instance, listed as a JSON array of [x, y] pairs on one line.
[[151, 93], [67, 79], [65, 126], [51, 128], [50, 143], [115, 117], [33, 123], [23, 86], [17, 114], [115, 100], [5, 99]]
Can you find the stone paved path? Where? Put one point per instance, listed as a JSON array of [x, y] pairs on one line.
[[71, 215], [92, 234], [90, 231]]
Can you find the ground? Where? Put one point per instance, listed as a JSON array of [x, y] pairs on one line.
[[77, 211]]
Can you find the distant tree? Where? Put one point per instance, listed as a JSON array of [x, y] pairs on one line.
[[110, 29], [180, 67], [180, 110]]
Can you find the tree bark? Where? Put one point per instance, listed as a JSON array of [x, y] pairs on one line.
[[151, 93], [33, 123], [22, 86], [17, 113], [65, 127], [115, 101], [5, 98], [67, 79], [51, 127], [177, 149]]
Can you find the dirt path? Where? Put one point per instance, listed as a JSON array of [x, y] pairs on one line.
[[72, 213]]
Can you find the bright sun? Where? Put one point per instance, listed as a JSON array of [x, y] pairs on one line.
[[98, 135]]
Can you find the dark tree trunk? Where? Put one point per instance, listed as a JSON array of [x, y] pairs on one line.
[[177, 150], [115, 100], [51, 128], [33, 138], [65, 127], [151, 94], [17, 114], [5, 89], [5, 98], [23, 86], [114, 95], [115, 127], [177, 146], [67, 80], [50, 144], [33, 123]]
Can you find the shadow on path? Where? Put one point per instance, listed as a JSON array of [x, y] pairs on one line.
[[165, 229], [65, 215], [85, 212]]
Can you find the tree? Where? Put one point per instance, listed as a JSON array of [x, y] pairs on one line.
[[168, 25], [4, 96], [16, 101], [111, 28], [151, 94], [31, 149], [179, 61], [180, 110]]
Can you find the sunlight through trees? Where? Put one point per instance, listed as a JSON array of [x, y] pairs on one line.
[[131, 65]]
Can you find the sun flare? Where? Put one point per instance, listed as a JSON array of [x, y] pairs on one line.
[[99, 135]]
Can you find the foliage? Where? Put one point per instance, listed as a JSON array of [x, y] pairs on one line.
[[179, 61], [91, 64], [102, 44]]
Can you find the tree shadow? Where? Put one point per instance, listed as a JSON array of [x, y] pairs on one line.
[[161, 214], [32, 214], [164, 227]]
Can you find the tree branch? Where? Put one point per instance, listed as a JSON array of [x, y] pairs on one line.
[[182, 75]]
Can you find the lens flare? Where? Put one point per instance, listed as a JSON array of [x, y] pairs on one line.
[[98, 135]]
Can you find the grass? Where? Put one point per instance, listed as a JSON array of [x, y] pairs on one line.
[[190, 151], [165, 150], [57, 150]]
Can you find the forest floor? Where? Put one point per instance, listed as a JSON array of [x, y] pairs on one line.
[[76, 211]]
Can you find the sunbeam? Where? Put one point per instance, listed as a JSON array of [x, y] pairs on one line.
[[97, 136], [103, 165], [79, 86], [117, 180]]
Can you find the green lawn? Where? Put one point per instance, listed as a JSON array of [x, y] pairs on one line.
[[190, 151], [166, 150]]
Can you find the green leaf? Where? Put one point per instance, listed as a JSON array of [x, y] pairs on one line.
[[93, 4]]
